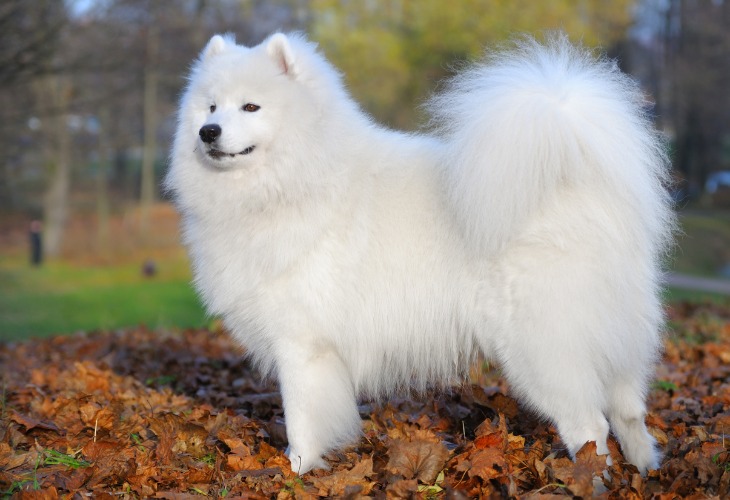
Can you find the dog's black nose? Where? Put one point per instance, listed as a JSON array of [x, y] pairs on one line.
[[209, 133]]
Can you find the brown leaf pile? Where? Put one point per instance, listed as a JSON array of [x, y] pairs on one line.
[[140, 413]]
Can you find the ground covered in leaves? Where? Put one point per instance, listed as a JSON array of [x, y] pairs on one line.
[[140, 413]]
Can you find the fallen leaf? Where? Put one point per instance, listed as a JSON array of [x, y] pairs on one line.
[[487, 463], [579, 476], [422, 457], [31, 423], [112, 462], [492, 440], [587, 456], [403, 488], [336, 483]]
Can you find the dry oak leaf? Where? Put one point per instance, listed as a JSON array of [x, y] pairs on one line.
[[491, 440], [504, 404], [98, 417], [578, 476], [176, 495], [11, 459], [176, 436], [490, 434], [111, 462], [266, 451], [486, 463], [241, 457], [335, 484], [487, 460], [242, 460], [143, 481], [201, 474], [403, 488], [73, 479], [85, 377], [31, 423], [422, 457], [587, 456], [46, 493]]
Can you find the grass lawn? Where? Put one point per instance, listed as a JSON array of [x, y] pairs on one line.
[[676, 295], [703, 247], [61, 298]]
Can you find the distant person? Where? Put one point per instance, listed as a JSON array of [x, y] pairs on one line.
[[36, 247]]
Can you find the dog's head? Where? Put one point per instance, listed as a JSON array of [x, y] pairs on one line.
[[242, 101], [259, 123]]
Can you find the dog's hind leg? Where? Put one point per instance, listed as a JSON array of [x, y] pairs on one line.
[[550, 348], [568, 393], [319, 402], [626, 412]]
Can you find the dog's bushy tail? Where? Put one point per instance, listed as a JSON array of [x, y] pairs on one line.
[[534, 118]]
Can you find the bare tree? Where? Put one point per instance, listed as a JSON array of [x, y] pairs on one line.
[[697, 38], [150, 109], [55, 90], [29, 33]]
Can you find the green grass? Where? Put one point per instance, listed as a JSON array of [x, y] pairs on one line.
[[48, 456], [53, 457], [682, 295], [61, 298], [704, 246]]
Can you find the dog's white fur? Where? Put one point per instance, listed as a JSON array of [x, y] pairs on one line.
[[351, 260]]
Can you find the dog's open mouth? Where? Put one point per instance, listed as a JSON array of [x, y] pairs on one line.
[[217, 154]]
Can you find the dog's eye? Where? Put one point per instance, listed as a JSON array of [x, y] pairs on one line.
[[250, 107], [212, 108]]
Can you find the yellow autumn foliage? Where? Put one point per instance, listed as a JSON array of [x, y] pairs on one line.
[[394, 52]]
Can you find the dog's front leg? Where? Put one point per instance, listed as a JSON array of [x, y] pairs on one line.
[[319, 402]]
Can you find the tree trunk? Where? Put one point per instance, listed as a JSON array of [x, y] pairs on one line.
[[148, 186], [102, 184], [56, 201]]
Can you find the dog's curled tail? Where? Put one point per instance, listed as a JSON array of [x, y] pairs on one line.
[[535, 118]]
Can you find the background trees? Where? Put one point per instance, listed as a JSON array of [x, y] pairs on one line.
[[696, 40], [394, 53], [88, 89]]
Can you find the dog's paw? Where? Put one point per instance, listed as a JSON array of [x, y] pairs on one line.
[[302, 463]]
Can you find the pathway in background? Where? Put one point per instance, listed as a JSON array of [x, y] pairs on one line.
[[699, 284]]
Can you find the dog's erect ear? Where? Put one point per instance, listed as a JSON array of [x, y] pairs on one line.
[[215, 46], [280, 50]]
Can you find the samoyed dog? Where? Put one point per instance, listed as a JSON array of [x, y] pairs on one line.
[[528, 224]]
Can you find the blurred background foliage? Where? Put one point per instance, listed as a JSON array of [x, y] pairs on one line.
[[89, 88], [394, 53]]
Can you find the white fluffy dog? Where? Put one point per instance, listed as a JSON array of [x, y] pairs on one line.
[[354, 261]]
